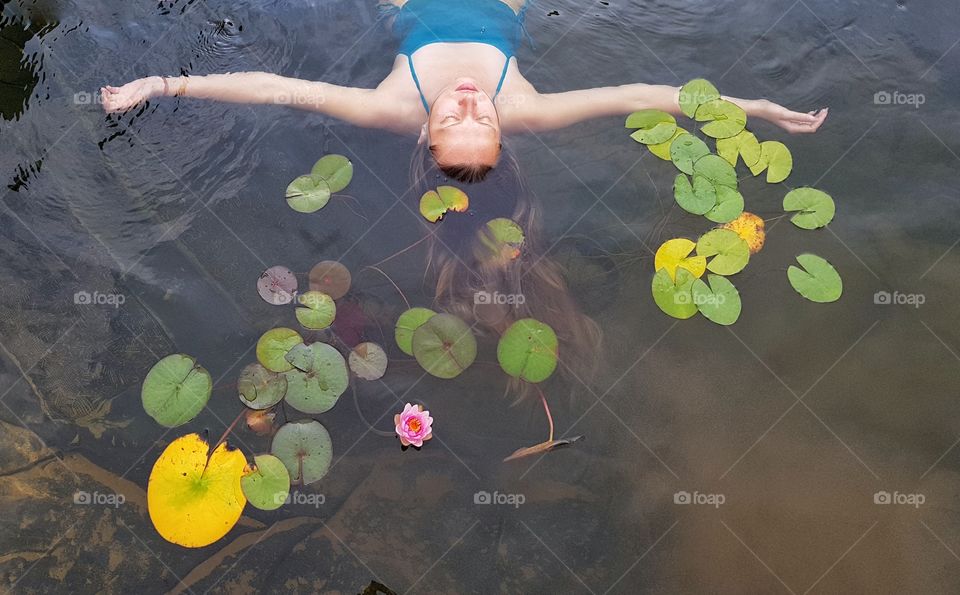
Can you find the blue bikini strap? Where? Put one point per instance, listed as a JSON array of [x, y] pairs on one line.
[[503, 76], [416, 81]]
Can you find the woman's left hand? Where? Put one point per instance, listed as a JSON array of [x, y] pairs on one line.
[[791, 121]]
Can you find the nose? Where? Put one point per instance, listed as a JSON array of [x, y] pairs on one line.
[[468, 101]]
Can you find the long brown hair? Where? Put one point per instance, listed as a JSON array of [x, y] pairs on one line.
[[532, 283]]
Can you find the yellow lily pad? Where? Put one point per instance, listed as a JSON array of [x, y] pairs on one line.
[[674, 254], [749, 227], [194, 502]]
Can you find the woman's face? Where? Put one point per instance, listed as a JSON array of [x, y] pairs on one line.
[[464, 127]]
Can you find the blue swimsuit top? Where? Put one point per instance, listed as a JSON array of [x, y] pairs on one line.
[[423, 22]]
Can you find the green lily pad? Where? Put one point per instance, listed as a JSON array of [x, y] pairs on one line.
[[260, 388], [267, 485], [719, 301], [744, 145], [503, 237], [407, 323], [368, 361], [308, 194], [729, 251], [662, 150], [724, 118], [306, 450], [687, 149], [775, 157], [729, 205], [817, 281], [335, 170], [815, 207], [697, 198], [655, 126], [695, 93], [434, 204], [175, 390], [444, 346], [528, 350], [317, 310], [674, 298], [319, 379], [300, 357], [717, 170], [272, 348]]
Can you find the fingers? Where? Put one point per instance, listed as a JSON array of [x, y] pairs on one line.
[[809, 123]]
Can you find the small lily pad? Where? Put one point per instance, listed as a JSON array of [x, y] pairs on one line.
[[724, 118], [662, 150], [335, 170], [744, 145], [319, 379], [775, 157], [718, 301], [260, 388], [528, 350], [695, 93], [750, 228], [717, 170], [368, 361], [729, 205], [407, 323], [267, 484], [697, 198], [308, 194], [815, 207], [175, 390], [685, 150], [503, 237], [654, 126], [434, 204], [317, 310], [674, 254], [817, 281], [674, 298], [729, 251], [277, 285], [306, 450], [330, 277], [272, 348], [444, 346]]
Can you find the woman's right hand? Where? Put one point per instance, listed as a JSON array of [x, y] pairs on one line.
[[121, 99]]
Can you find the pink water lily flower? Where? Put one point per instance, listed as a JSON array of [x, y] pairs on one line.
[[413, 425]]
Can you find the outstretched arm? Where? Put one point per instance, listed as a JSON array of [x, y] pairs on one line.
[[363, 107], [556, 110]]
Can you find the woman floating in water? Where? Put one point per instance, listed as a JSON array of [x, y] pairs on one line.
[[455, 82]]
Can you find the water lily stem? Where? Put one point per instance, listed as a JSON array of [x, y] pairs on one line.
[[395, 254], [546, 408], [228, 430], [395, 286]]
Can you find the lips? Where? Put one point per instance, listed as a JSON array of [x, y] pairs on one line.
[[467, 87]]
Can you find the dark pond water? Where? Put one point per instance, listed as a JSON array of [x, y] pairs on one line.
[[799, 418]]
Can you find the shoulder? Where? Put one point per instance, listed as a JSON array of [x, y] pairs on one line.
[[517, 101]]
